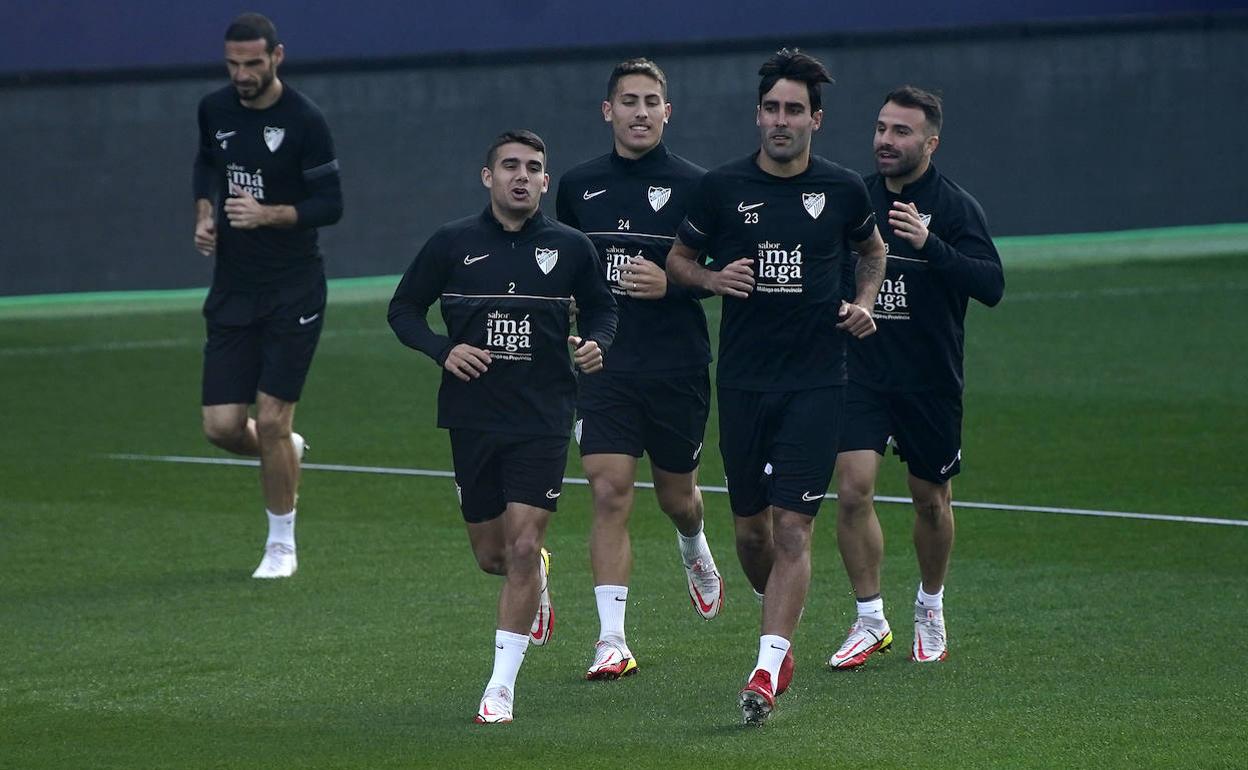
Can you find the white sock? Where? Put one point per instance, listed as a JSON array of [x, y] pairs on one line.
[[872, 610], [612, 601], [695, 547], [509, 651], [281, 528], [771, 652], [931, 601]]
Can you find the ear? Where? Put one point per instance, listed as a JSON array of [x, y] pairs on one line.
[[758, 116], [279, 54], [487, 179], [545, 183], [667, 112], [816, 120], [931, 143], [606, 111]]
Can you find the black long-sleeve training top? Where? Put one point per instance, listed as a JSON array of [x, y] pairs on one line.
[[921, 309], [283, 154], [508, 293]]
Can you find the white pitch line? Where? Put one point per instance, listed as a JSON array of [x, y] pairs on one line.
[[381, 470]]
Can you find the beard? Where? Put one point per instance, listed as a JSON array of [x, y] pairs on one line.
[[250, 93], [902, 165]]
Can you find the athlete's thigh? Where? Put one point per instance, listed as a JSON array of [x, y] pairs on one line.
[[866, 423], [744, 432], [532, 470], [608, 416], [804, 449], [928, 431], [292, 330], [478, 474], [232, 349], [676, 410]]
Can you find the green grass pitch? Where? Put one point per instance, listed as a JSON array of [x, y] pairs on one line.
[[132, 637]]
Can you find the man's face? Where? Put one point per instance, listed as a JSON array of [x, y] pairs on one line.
[[785, 121], [637, 113], [252, 69], [517, 179], [902, 142]]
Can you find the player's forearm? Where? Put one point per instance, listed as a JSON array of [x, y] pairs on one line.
[[683, 271], [323, 207], [411, 325], [869, 274], [976, 272]]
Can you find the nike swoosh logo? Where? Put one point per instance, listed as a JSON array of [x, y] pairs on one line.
[[552, 494], [808, 497], [225, 134], [499, 646], [620, 599], [744, 208], [945, 469], [468, 259], [305, 320], [589, 195], [775, 647]]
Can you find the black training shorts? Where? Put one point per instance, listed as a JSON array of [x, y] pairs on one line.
[[925, 429], [494, 469], [260, 341], [662, 417], [779, 448]]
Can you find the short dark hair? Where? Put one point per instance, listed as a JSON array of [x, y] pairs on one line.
[[517, 135], [253, 26], [794, 65], [918, 99], [638, 66]]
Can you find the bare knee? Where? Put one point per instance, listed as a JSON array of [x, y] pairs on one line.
[[492, 563], [932, 512], [223, 432], [271, 428], [791, 542], [612, 495], [680, 502], [524, 553]]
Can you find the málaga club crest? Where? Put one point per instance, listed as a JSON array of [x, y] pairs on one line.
[[273, 137], [546, 259], [814, 203], [659, 196]]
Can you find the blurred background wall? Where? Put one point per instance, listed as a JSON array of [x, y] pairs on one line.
[[1060, 117]]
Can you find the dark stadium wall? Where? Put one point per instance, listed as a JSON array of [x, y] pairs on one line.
[[1054, 130]]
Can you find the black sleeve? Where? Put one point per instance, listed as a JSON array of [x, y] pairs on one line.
[[861, 224], [421, 286], [968, 260], [323, 204], [695, 232], [203, 181], [563, 207], [597, 315]]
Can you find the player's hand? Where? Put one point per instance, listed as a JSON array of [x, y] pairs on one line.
[[906, 224], [244, 211], [466, 362], [735, 280], [643, 279], [856, 320], [206, 235], [586, 354]]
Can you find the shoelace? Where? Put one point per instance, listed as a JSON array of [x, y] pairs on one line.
[[705, 578]]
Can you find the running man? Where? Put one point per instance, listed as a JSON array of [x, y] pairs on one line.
[[778, 225], [506, 279], [905, 383], [265, 179], [653, 396]]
